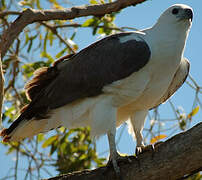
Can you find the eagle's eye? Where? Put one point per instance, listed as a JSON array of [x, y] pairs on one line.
[[175, 11]]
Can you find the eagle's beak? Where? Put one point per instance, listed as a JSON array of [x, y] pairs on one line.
[[188, 14]]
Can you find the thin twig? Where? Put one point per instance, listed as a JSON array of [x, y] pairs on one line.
[[54, 31]]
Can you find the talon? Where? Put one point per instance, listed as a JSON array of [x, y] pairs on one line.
[[142, 149], [115, 167], [139, 150], [113, 161], [158, 143]]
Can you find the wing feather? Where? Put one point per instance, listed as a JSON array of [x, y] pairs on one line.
[[178, 80], [87, 72]]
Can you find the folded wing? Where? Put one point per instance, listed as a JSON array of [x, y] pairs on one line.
[[86, 73], [177, 81]]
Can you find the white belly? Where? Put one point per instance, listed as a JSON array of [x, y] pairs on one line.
[[160, 79]]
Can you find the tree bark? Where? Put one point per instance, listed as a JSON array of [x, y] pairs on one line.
[[175, 158]]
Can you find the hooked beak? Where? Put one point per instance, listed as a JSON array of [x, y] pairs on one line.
[[188, 14]]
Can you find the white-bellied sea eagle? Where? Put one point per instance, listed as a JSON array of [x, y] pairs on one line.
[[117, 78]]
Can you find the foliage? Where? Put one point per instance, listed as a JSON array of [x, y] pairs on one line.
[[39, 45]]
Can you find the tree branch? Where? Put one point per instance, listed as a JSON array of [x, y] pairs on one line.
[[1, 89], [76, 25], [54, 31], [29, 16], [178, 156], [6, 13]]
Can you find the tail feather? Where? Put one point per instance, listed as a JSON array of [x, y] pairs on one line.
[[26, 128], [28, 124], [23, 128]]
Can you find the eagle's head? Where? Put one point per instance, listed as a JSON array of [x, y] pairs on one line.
[[177, 16]]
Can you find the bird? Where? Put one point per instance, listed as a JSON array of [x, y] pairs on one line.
[[118, 78]]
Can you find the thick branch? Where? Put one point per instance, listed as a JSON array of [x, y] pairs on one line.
[[30, 15], [179, 156]]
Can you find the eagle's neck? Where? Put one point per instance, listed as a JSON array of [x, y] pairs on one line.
[[170, 40]]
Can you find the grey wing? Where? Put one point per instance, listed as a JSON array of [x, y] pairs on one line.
[[177, 81]]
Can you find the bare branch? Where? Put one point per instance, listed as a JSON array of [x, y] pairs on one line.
[[6, 13], [176, 158], [76, 25], [29, 16]]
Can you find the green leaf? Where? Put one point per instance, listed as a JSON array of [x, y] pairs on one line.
[[157, 138], [73, 35], [40, 137], [88, 22], [94, 30], [102, 1], [49, 141], [58, 55], [3, 5], [38, 4], [48, 56], [182, 124], [45, 42], [53, 147], [10, 112], [30, 45], [193, 112], [82, 157], [26, 38], [101, 31], [10, 150], [51, 38], [93, 2]]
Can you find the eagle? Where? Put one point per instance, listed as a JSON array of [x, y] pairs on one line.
[[118, 78]]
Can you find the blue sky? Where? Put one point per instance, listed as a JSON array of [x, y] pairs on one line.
[[140, 17]]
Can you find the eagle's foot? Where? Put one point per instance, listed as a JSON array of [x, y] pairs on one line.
[[141, 149], [114, 158], [157, 144]]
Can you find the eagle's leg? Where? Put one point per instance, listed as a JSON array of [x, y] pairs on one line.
[[114, 156], [137, 121]]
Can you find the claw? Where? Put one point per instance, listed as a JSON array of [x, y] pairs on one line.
[[158, 143], [116, 168], [138, 150], [141, 149]]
